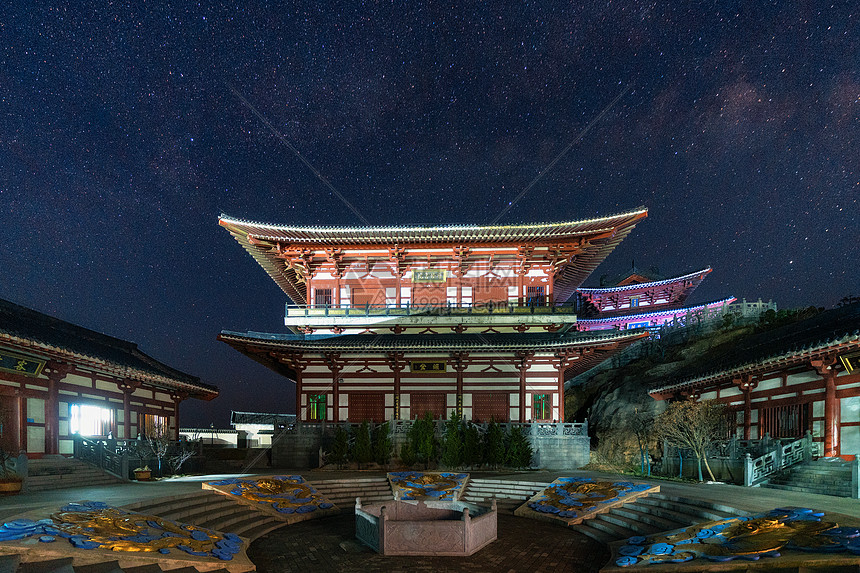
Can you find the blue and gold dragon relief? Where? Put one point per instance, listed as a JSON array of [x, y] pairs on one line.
[[570, 497], [749, 538], [442, 486], [284, 494], [96, 525]]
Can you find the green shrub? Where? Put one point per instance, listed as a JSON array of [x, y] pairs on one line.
[[473, 453], [452, 442], [363, 448], [494, 445], [340, 448], [382, 444], [519, 454]]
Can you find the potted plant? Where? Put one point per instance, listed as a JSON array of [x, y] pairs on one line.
[[10, 481], [142, 474]]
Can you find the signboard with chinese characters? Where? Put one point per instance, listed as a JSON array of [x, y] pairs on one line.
[[428, 275], [851, 362], [20, 364], [433, 366]]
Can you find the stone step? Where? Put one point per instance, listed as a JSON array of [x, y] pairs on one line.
[[701, 509], [195, 512], [685, 515], [794, 480], [829, 490], [61, 565], [238, 522], [615, 530], [166, 505], [598, 535], [148, 568], [103, 567], [9, 563], [262, 529], [642, 515], [638, 527], [46, 483]]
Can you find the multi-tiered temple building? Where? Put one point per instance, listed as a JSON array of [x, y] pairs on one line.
[[389, 323], [640, 300]]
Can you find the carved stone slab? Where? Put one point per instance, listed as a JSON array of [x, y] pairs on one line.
[[288, 498], [568, 501], [93, 532], [438, 486], [783, 539]]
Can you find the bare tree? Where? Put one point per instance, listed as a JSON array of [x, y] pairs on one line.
[[694, 426]]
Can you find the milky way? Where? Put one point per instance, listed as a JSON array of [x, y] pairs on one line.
[[121, 142]]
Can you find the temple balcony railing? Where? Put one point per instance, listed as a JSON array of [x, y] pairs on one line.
[[448, 309]]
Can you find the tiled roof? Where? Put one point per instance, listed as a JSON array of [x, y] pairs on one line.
[[24, 329], [698, 276], [433, 342], [824, 333], [460, 234], [648, 315], [601, 235], [261, 418]]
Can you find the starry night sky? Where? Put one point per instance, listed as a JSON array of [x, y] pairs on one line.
[[121, 142]]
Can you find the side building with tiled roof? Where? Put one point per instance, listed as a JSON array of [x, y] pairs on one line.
[[638, 300], [801, 377], [58, 380]]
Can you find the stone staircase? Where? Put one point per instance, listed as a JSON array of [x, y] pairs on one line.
[[211, 510], [826, 476], [652, 514], [15, 564], [60, 473], [342, 492], [509, 494]]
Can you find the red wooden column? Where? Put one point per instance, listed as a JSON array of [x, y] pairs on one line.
[[177, 397], [128, 387], [458, 362], [746, 385], [827, 369], [561, 365], [522, 363], [293, 361], [22, 418], [335, 366], [52, 407], [397, 363]]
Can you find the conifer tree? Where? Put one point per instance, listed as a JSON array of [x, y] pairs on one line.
[[472, 451], [452, 445], [363, 448], [494, 445], [382, 444], [519, 454], [340, 447]]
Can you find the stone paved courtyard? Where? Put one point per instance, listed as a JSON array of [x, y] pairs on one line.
[[329, 545]]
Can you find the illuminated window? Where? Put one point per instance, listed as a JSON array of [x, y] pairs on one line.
[[153, 426], [316, 411], [89, 420], [634, 302], [541, 408]]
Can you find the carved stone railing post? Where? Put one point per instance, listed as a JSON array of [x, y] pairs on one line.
[[807, 447], [748, 470], [383, 517], [855, 478]]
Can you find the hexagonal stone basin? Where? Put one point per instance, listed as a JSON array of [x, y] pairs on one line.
[[406, 527]]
